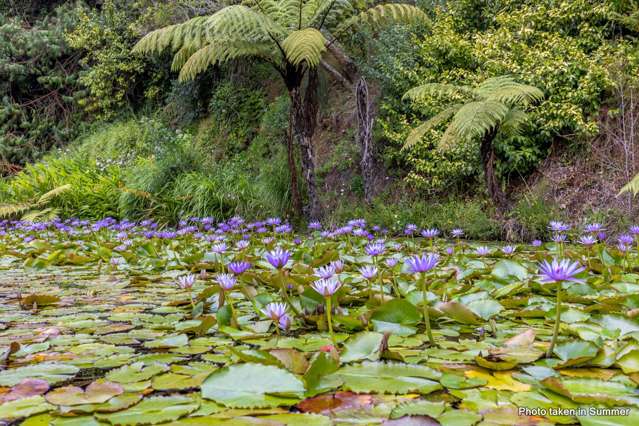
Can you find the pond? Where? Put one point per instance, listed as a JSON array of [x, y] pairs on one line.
[[241, 323]]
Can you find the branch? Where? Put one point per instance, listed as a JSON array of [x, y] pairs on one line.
[[336, 74]]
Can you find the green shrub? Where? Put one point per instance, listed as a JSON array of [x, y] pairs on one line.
[[533, 213]]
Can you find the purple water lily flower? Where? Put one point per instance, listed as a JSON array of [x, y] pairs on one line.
[[482, 251], [275, 310], [284, 322], [327, 287], [338, 265], [369, 272], [587, 240], [375, 249], [559, 238], [557, 226], [634, 229], [450, 251], [315, 226], [623, 247], [430, 233], [536, 243], [410, 229], [457, 233], [326, 271], [242, 244], [423, 263], [593, 228], [508, 250], [186, 281], [560, 271], [239, 268], [226, 281], [278, 257], [625, 239], [391, 262], [219, 248]]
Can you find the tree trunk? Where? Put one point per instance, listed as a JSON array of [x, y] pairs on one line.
[[487, 153], [296, 200], [304, 113], [365, 138]]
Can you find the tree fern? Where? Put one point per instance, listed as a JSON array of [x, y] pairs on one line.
[[36, 208], [305, 45]]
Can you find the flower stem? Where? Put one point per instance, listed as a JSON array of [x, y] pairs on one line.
[[555, 332], [329, 318], [425, 311]]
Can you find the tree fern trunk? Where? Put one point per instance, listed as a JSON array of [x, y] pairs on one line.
[[365, 137], [495, 192], [296, 200], [304, 113]]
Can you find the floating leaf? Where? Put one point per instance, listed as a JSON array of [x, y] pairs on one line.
[[252, 385], [151, 411], [389, 378]]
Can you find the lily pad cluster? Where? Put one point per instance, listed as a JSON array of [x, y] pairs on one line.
[[121, 323]]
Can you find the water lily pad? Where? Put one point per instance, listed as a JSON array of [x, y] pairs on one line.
[[49, 371], [252, 385], [97, 392], [24, 407], [362, 346], [136, 372], [392, 378], [153, 410]]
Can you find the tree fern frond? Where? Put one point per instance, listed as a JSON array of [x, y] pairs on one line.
[[386, 14], [475, 119], [181, 56], [41, 215], [13, 210], [284, 12], [174, 36], [329, 14], [222, 51], [513, 121], [55, 192], [305, 45], [506, 89], [632, 186], [438, 90], [239, 22], [417, 133]]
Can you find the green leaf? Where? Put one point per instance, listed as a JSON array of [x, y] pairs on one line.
[[362, 346], [398, 311], [507, 269], [50, 371], [136, 372], [252, 385], [392, 378], [575, 352], [151, 411], [24, 407]]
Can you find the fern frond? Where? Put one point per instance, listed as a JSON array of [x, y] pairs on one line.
[[41, 215], [174, 36], [55, 192], [329, 14], [13, 210], [386, 14], [437, 90], [475, 119], [181, 56], [632, 186], [283, 12], [417, 133], [305, 45], [222, 51], [239, 22], [505, 89], [513, 122]]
